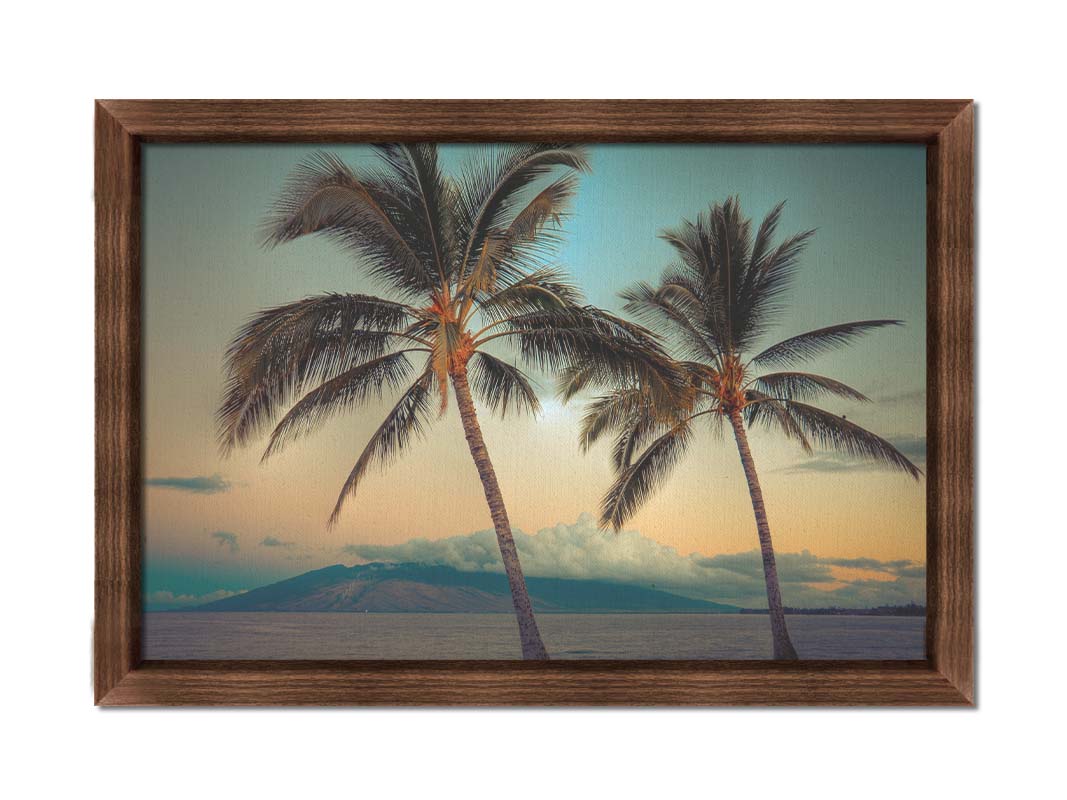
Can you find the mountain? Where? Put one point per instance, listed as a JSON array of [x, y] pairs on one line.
[[429, 588]]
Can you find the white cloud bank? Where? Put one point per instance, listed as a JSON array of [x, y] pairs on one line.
[[165, 600], [583, 551]]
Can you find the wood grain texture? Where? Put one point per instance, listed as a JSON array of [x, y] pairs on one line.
[[497, 683], [950, 403], [117, 623], [946, 677], [537, 120]]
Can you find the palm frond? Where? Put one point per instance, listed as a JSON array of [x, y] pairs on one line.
[[348, 389], [611, 412], [764, 286], [698, 374], [715, 254], [423, 327], [574, 378], [599, 347], [731, 247], [431, 198], [374, 216], [281, 351], [636, 483], [837, 433], [409, 418], [675, 313], [549, 204], [545, 289], [635, 415], [501, 386], [692, 242], [527, 243], [642, 429], [805, 386], [482, 276], [489, 189], [815, 343], [765, 235], [773, 414], [737, 282]]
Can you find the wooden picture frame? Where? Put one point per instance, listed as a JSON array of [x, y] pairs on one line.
[[945, 677]]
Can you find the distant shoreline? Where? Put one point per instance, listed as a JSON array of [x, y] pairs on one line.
[[911, 610], [882, 611]]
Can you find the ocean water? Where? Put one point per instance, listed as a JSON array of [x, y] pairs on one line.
[[268, 635]]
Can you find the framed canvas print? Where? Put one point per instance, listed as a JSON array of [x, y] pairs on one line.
[[534, 402]]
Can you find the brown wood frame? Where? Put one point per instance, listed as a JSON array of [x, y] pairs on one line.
[[945, 677]]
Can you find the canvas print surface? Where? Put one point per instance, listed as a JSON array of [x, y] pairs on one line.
[[534, 401]]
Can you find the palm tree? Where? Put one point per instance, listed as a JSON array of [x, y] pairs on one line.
[[465, 262], [712, 307]]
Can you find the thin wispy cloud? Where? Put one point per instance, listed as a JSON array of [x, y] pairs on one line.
[[893, 568], [226, 539], [197, 484], [271, 541], [914, 447], [911, 571], [903, 397], [582, 551], [829, 463]]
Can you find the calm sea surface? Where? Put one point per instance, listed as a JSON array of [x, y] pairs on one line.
[[181, 635]]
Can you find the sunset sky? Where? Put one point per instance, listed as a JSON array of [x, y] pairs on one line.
[[847, 533]]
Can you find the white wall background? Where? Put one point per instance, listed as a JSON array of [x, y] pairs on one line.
[[56, 60]]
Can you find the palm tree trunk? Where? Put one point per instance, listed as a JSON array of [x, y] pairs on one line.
[[532, 646], [783, 647]]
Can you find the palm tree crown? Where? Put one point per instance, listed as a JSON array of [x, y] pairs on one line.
[[465, 262], [712, 307]]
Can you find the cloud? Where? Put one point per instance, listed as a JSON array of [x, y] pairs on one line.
[[873, 593], [226, 539], [914, 447], [582, 551], [911, 571], [162, 600], [294, 551], [864, 563], [829, 463], [800, 567], [198, 484], [271, 541], [903, 396]]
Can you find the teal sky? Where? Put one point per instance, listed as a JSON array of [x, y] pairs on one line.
[[205, 274]]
